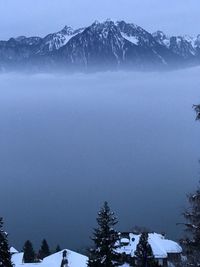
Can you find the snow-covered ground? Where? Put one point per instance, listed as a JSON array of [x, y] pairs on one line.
[[54, 260], [17, 258], [161, 247]]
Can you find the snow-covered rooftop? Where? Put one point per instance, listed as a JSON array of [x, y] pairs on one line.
[[13, 250], [124, 240], [160, 246], [54, 260], [74, 259]]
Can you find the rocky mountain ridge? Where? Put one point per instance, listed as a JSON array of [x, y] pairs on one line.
[[104, 45]]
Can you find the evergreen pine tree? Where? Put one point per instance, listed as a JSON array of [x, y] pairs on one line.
[[58, 249], [5, 256], [44, 250], [105, 238], [29, 254], [192, 242], [144, 253]]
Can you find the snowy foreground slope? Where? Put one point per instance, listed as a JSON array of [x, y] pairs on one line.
[[54, 260], [165, 251]]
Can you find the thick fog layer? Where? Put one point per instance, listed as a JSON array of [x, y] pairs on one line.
[[70, 142]]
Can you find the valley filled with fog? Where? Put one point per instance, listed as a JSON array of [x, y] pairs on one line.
[[70, 142]]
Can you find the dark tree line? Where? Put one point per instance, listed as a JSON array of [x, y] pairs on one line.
[[31, 256]]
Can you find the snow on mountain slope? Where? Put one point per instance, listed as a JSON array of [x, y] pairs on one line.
[[133, 39], [111, 44], [184, 46], [98, 43], [31, 41], [181, 46], [190, 40], [102, 45], [135, 34], [161, 38], [57, 40]]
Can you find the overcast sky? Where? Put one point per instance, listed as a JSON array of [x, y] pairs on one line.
[[40, 17]]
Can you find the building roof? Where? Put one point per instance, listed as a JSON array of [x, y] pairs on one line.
[[74, 259], [160, 246], [54, 260], [13, 250], [124, 240]]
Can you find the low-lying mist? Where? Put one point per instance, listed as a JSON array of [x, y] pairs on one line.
[[70, 142]]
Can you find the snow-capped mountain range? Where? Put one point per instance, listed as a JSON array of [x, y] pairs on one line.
[[103, 45]]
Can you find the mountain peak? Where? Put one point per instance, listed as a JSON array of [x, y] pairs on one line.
[[20, 38], [122, 23], [96, 22], [161, 38], [159, 34], [67, 30], [109, 42], [105, 22], [105, 26]]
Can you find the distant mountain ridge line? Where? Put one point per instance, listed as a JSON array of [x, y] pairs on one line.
[[102, 45]]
